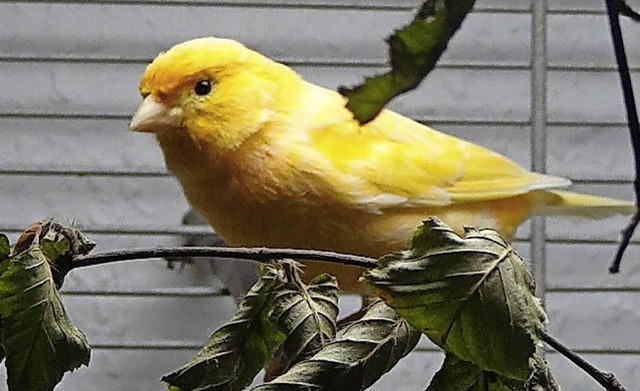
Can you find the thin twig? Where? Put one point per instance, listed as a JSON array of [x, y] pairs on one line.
[[256, 254], [625, 238], [627, 11], [605, 379], [614, 9]]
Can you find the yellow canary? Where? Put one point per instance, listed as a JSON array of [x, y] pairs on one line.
[[271, 160]]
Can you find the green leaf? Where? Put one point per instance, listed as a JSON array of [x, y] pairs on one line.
[[459, 375], [53, 250], [58, 242], [473, 297], [5, 247], [236, 352], [541, 378], [414, 51], [307, 316], [36, 335], [369, 348], [62, 257]]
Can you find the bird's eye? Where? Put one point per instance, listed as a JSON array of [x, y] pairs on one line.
[[203, 87]]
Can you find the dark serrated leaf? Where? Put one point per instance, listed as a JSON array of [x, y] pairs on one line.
[[473, 296], [459, 375], [5, 250], [414, 51], [307, 316], [5, 247], [541, 378], [236, 352], [36, 335], [369, 348], [49, 231], [455, 374]]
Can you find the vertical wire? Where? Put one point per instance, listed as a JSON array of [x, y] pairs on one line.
[[539, 132]]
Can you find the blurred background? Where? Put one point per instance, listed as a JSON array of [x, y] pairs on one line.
[[533, 80]]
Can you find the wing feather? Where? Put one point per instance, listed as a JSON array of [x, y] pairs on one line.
[[395, 162]]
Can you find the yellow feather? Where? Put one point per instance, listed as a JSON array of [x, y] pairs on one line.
[[271, 160], [559, 202]]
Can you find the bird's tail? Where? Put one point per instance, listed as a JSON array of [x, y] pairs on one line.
[[558, 202]]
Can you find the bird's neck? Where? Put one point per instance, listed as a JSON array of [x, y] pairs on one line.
[[189, 157], [193, 159]]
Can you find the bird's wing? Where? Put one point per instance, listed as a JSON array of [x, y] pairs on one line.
[[396, 162]]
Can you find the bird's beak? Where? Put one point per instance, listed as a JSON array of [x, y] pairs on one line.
[[153, 116]]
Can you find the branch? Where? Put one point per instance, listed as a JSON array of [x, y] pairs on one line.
[[261, 254], [606, 379], [626, 235], [258, 254], [614, 9], [627, 11]]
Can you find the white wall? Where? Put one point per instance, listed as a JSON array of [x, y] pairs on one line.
[[68, 84]]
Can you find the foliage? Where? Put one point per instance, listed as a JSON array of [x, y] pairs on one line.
[[236, 352], [414, 51], [369, 348], [460, 375], [312, 356], [306, 315], [39, 341], [472, 296]]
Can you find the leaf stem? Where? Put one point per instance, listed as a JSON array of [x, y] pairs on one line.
[[614, 9], [605, 379], [258, 254]]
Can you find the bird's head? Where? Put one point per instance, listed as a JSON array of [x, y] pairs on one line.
[[211, 89]]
